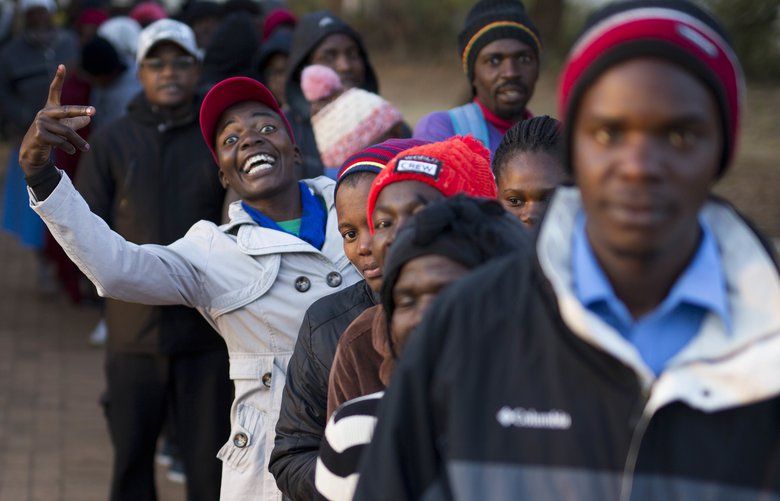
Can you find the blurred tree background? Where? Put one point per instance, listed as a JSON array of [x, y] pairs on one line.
[[429, 27]]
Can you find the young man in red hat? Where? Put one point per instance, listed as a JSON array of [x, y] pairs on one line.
[[252, 279], [632, 353]]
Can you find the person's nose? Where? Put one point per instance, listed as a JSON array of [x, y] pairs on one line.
[[510, 68], [249, 138], [642, 158], [343, 64], [364, 244], [531, 214]]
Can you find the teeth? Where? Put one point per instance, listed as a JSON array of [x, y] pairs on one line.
[[256, 163]]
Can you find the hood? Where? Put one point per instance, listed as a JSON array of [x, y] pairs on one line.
[[231, 49], [380, 338], [278, 43], [312, 29]]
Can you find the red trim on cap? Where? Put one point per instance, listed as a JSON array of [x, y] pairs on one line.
[[698, 42], [229, 92]]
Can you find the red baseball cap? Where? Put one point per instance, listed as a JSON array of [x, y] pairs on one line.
[[229, 92]]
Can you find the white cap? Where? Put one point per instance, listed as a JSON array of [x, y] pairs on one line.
[[25, 5], [167, 30], [122, 32]]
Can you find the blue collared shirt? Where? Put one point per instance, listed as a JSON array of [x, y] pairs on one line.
[[661, 334]]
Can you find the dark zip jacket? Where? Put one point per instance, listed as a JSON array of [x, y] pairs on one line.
[[304, 402], [510, 389], [151, 178], [311, 30]]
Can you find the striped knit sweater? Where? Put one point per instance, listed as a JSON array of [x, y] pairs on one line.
[[347, 434]]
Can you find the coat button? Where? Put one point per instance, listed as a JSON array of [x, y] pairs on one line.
[[240, 440], [302, 284], [334, 278], [267, 379]]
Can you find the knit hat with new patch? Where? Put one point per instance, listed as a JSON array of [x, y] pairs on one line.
[[460, 164], [491, 20], [674, 30], [375, 158]]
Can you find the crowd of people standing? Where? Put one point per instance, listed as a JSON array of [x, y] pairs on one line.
[[313, 299]]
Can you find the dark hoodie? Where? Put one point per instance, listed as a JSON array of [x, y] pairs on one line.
[[231, 51], [312, 29]]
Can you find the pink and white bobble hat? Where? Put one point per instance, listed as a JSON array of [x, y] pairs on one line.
[[350, 123]]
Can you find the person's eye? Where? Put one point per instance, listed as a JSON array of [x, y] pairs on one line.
[[681, 138], [183, 63], [494, 61], [353, 54], [231, 139], [526, 59], [404, 301], [515, 202], [382, 224], [154, 64], [606, 135], [349, 236], [268, 129]]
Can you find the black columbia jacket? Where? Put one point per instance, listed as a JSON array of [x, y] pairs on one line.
[[510, 389], [304, 402], [311, 30], [151, 178]]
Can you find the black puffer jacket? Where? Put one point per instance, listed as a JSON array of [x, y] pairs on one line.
[[304, 403], [312, 29], [151, 178]]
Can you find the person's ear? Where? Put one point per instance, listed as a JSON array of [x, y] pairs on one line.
[[297, 156], [223, 179]]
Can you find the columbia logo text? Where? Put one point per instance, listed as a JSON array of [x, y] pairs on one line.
[[531, 418]]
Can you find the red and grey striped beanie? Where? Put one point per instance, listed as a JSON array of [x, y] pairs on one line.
[[674, 30], [375, 157]]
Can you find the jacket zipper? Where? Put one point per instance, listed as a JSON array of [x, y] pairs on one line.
[[642, 422]]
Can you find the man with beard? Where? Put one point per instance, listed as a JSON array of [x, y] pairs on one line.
[[499, 49]]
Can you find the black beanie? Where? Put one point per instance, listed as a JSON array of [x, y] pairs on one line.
[[99, 57], [470, 231], [491, 20]]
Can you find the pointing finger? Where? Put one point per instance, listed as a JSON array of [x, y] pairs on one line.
[[55, 89]]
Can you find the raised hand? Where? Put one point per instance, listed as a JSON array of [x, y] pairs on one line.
[[54, 126]]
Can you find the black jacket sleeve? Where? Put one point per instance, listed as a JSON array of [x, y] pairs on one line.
[[301, 422], [404, 461]]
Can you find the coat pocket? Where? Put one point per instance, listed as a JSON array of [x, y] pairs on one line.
[[245, 447]]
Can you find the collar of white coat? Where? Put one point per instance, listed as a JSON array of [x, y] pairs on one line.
[[716, 370], [256, 241]]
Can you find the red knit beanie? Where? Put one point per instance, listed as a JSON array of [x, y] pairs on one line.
[[460, 164]]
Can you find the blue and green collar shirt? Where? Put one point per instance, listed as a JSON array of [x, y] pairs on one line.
[[661, 334]]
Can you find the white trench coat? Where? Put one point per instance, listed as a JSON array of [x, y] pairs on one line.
[[251, 283]]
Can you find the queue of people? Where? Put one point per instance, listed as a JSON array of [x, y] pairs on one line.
[[317, 301]]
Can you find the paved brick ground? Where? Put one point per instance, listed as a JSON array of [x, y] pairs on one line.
[[54, 444]]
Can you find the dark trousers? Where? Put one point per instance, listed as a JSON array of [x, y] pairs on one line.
[[141, 391]]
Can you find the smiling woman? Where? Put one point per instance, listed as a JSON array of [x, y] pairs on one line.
[[252, 279]]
